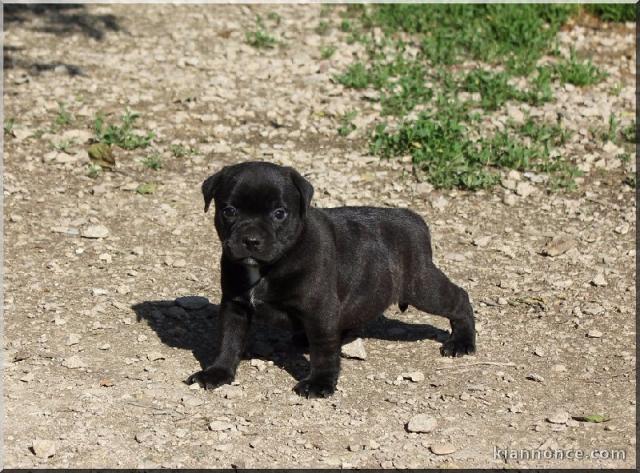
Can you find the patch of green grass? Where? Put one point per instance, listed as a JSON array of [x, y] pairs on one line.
[[181, 151], [153, 161], [327, 51], [612, 131], [613, 11], [260, 38], [346, 123], [323, 28], [63, 117], [580, 73], [122, 135], [8, 125], [94, 170], [629, 133], [146, 188], [64, 145], [345, 26], [547, 134], [274, 17]]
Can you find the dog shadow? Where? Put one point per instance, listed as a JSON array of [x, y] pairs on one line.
[[194, 330]]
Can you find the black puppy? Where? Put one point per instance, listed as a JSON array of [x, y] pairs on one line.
[[324, 270]]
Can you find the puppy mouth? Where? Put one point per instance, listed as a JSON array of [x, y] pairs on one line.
[[249, 261]]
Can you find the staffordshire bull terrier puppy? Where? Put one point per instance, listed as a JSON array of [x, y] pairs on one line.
[[325, 271]]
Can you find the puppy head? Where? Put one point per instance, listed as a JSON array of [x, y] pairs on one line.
[[260, 209]]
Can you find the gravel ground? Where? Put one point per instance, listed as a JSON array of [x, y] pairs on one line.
[[97, 349]]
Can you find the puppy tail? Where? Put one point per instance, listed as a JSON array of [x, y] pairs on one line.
[[403, 306]]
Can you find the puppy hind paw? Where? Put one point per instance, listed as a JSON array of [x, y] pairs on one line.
[[314, 389], [210, 378]]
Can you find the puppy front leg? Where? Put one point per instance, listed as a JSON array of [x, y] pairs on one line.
[[233, 326], [324, 352]]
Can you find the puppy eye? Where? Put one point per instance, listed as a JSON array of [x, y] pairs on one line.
[[229, 212], [279, 214]]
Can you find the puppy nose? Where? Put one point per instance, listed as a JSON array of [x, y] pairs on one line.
[[251, 242]]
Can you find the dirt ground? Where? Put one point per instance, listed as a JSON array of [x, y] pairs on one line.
[[97, 351]]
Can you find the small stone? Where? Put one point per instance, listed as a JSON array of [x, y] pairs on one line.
[[558, 417], [104, 346], [558, 368], [599, 280], [482, 241], [96, 291], [415, 376], [442, 448], [465, 396], [539, 352], [192, 302], [73, 362], [502, 301], [154, 356], [509, 199], [192, 401], [73, 339], [142, 437], [354, 350], [220, 426], [27, 378], [95, 231], [594, 333], [422, 423], [558, 245], [524, 189], [535, 377], [142, 338], [260, 365], [231, 392], [43, 448]]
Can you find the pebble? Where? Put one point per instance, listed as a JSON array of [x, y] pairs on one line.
[[415, 376], [599, 280], [230, 391], [465, 396], [95, 231], [535, 377], [153, 356], [442, 448], [558, 417], [482, 241], [192, 302], [73, 339], [43, 448], [219, 426], [422, 423], [191, 401], [558, 245], [559, 368], [27, 378], [524, 189], [142, 437], [594, 333], [354, 350], [73, 362]]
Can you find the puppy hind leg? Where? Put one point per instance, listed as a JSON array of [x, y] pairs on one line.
[[434, 293]]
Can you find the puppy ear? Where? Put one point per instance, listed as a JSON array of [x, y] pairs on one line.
[[304, 187], [209, 187]]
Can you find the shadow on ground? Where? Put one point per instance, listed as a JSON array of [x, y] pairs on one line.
[[194, 330], [57, 19]]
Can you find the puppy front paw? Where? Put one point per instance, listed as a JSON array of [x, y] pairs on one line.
[[314, 388], [459, 344], [211, 378]]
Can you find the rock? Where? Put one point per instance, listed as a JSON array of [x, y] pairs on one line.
[[142, 437], [154, 356], [524, 189], [73, 339], [230, 391], [43, 448], [515, 114], [482, 241], [192, 302], [558, 245], [220, 426], [27, 378], [95, 231], [415, 376], [191, 401], [260, 365], [424, 188], [558, 368], [354, 350], [539, 352], [509, 199], [535, 377], [594, 333], [599, 280], [73, 362], [558, 417], [465, 396], [442, 448], [440, 203], [422, 423], [96, 291]]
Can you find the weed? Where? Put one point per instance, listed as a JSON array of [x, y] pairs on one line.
[[323, 28], [146, 188], [613, 12], [630, 180], [122, 135], [276, 18], [547, 134], [8, 126], [327, 51], [64, 145], [153, 161], [578, 73], [345, 26], [64, 117], [346, 123], [260, 38], [94, 170], [629, 133], [180, 151], [612, 131]]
